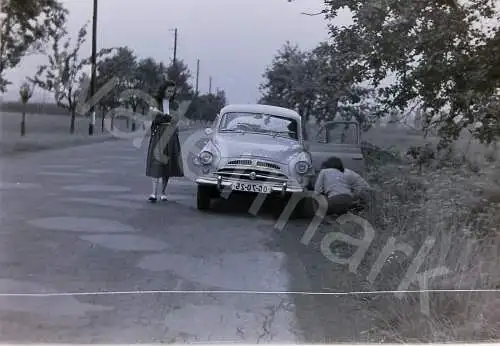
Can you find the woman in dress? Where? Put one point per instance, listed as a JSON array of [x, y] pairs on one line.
[[164, 159]]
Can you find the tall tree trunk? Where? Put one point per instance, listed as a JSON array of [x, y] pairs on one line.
[[334, 107], [134, 108], [307, 114], [72, 121], [103, 116], [23, 122]]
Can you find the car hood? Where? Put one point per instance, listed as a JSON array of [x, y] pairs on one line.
[[238, 145]]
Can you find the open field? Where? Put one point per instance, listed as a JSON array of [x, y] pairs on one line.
[[46, 131], [33, 108], [47, 126]]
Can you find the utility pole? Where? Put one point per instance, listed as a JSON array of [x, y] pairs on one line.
[[197, 75], [93, 76], [210, 85], [175, 46]]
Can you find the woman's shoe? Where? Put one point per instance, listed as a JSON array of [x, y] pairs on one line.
[[163, 198], [152, 198]]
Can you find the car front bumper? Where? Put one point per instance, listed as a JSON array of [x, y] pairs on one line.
[[222, 183]]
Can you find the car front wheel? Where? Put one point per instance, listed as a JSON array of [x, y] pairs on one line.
[[203, 197]]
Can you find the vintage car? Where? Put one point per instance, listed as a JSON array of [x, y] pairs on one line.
[[256, 148]]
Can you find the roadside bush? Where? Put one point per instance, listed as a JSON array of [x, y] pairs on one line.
[[458, 206], [376, 156]]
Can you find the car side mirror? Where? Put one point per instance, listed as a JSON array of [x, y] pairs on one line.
[[208, 131]]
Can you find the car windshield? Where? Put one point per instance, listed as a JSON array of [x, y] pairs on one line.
[[259, 123]]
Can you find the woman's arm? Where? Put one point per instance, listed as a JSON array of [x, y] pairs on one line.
[[162, 119]]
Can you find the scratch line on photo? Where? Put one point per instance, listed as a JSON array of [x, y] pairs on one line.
[[139, 292]]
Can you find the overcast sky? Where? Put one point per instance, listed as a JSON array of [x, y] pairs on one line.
[[234, 39]]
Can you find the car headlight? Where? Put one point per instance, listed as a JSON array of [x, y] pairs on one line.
[[302, 167], [206, 157]]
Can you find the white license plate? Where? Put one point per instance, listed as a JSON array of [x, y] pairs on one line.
[[249, 187]]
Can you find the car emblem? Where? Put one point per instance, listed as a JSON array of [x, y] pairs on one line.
[[253, 175]]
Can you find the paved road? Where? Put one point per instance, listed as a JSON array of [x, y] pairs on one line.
[[76, 220]]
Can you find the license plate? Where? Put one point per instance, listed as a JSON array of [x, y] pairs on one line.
[[259, 188]]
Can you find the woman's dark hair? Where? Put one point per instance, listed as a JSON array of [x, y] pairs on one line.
[[160, 94], [333, 162]]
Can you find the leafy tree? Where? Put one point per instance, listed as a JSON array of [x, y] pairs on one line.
[[25, 93], [206, 107], [180, 74], [337, 88], [146, 77], [143, 76], [288, 81], [64, 74], [26, 25], [438, 52], [149, 75], [122, 65], [317, 82]]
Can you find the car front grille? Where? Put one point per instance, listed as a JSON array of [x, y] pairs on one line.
[[260, 175], [247, 162], [268, 165], [240, 162]]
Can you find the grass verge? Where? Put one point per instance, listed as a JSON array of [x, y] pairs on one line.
[[458, 207], [19, 147]]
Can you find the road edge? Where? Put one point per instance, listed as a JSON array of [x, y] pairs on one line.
[[81, 141]]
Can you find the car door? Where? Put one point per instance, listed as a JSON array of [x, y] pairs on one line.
[[340, 139]]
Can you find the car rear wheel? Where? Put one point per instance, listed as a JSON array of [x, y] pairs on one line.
[[203, 197]]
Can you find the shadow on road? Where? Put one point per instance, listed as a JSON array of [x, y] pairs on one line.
[[240, 204]]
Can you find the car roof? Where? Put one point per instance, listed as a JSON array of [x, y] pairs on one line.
[[260, 108]]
